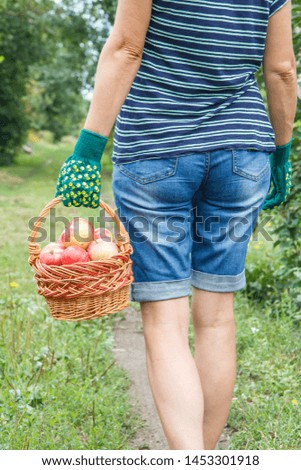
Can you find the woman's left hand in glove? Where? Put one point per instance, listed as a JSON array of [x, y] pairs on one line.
[[281, 174]]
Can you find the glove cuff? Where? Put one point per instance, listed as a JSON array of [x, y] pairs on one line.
[[289, 144], [90, 146], [281, 154]]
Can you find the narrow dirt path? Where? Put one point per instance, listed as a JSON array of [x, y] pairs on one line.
[[129, 351]]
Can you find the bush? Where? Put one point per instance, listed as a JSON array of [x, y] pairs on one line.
[[19, 27], [13, 123], [271, 280]]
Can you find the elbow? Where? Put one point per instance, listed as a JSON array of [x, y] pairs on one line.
[[284, 71], [128, 48], [288, 73], [132, 51]]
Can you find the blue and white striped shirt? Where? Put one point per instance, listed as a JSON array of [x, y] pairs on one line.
[[196, 89]]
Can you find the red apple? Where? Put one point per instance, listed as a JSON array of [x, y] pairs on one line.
[[100, 249], [60, 240], [78, 233], [51, 254], [104, 234], [75, 254]]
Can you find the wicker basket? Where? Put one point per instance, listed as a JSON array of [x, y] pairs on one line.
[[83, 291]]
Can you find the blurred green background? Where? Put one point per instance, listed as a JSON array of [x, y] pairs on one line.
[[60, 387], [48, 56]]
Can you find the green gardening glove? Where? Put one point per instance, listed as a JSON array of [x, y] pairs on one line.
[[281, 175], [79, 181]]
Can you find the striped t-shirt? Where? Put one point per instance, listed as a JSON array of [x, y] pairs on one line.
[[195, 89]]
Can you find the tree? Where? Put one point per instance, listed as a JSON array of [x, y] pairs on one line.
[[48, 56], [21, 31], [109, 7]]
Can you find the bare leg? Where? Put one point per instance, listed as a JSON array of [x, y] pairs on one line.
[[172, 372], [215, 356]]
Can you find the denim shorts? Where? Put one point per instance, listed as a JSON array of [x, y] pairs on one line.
[[190, 219]]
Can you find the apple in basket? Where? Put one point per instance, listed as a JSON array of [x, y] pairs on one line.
[[103, 233], [78, 233], [51, 254], [74, 254], [100, 249]]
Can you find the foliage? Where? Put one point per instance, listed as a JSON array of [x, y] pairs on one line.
[[77, 34], [21, 30], [270, 282], [109, 6], [48, 56]]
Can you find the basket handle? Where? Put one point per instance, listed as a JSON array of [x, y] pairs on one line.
[[34, 249]]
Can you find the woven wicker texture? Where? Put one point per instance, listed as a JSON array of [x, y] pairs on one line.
[[84, 291]]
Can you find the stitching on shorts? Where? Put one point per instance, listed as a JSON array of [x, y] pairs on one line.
[[219, 276], [151, 179], [207, 167], [218, 280], [241, 172], [162, 282]]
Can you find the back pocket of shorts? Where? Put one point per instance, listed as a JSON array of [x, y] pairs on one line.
[[251, 164], [149, 170]]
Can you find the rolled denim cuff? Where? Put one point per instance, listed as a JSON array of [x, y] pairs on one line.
[[90, 146]]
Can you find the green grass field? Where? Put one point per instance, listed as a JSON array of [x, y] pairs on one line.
[[60, 387]]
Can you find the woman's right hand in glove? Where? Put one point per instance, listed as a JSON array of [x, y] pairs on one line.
[[79, 181]]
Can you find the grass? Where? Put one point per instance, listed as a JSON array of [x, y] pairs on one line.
[[266, 407], [60, 387], [266, 410]]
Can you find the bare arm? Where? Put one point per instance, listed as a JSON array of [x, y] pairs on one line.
[[118, 64], [279, 68]]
